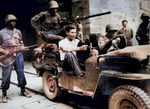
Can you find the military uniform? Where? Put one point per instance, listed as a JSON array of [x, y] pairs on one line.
[[47, 22], [143, 32], [128, 33]]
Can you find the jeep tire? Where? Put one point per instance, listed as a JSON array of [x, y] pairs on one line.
[[50, 87], [129, 97]]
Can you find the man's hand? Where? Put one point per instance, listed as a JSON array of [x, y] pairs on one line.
[[121, 35], [38, 32], [83, 47], [24, 48], [38, 50], [138, 38], [6, 53]]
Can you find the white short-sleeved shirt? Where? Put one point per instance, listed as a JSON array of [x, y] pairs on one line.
[[66, 43]]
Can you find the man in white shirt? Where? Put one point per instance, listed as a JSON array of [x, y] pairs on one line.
[[68, 48]]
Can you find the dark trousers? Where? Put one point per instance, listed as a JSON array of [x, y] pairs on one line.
[[51, 37], [70, 63], [6, 73]]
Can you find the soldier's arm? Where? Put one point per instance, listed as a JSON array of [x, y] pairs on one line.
[[35, 21], [138, 34], [72, 49]]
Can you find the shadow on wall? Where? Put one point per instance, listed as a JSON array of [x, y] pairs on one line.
[[24, 10]]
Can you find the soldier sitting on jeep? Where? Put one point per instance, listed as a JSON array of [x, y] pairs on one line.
[[110, 41], [47, 23], [68, 48]]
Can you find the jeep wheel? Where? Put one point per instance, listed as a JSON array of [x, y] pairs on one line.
[[50, 87], [129, 97]]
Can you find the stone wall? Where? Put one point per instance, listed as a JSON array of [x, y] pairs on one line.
[[81, 8], [130, 10]]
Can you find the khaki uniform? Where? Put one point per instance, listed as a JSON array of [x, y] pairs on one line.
[[44, 21]]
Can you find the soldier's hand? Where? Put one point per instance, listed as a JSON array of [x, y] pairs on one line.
[[57, 27], [121, 35], [38, 50], [38, 32], [24, 48], [138, 38], [6, 53]]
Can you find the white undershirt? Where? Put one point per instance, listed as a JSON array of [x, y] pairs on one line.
[[66, 43]]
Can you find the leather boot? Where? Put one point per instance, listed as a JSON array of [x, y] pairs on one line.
[[4, 96], [24, 93]]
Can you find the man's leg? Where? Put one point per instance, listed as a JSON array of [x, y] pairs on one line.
[[54, 38], [19, 67], [72, 61], [6, 74], [51, 37]]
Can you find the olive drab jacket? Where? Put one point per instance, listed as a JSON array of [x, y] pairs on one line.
[[143, 33], [44, 21]]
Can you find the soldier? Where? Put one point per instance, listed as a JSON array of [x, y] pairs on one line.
[[10, 36], [126, 32], [47, 22], [110, 41], [143, 32]]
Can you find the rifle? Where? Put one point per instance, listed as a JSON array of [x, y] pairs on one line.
[[14, 53], [65, 21]]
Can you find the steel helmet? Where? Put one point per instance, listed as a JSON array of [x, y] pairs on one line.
[[10, 17], [145, 14], [110, 27], [53, 4]]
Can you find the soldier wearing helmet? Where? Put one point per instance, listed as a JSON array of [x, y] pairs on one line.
[[10, 17], [10, 38], [143, 31], [109, 41], [47, 22]]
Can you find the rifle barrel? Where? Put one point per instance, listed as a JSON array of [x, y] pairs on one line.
[[66, 21], [109, 12]]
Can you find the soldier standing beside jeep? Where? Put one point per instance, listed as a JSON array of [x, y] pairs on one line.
[[12, 37], [143, 32], [47, 22]]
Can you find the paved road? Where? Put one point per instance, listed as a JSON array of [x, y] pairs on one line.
[[39, 100]]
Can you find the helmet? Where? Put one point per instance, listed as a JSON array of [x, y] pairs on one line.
[[10, 17], [145, 14], [53, 4], [110, 27]]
